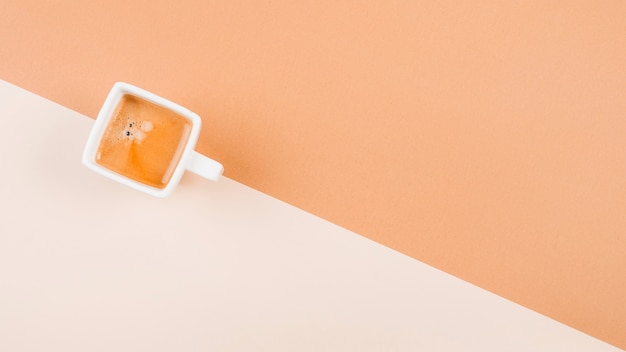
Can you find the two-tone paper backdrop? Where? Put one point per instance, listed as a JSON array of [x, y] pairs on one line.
[[485, 138]]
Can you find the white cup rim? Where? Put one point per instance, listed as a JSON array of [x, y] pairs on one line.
[[119, 90]]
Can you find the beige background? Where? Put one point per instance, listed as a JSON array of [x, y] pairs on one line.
[[485, 138], [89, 265]]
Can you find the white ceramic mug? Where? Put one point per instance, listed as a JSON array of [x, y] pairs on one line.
[[186, 157]]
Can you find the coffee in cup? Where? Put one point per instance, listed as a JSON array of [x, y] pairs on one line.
[[146, 142]]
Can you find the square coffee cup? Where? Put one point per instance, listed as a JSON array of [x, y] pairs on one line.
[[146, 142]]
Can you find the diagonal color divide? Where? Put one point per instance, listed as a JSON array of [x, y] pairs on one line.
[[486, 140], [90, 265]]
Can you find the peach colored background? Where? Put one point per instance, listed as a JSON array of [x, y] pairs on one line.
[[217, 266], [484, 138]]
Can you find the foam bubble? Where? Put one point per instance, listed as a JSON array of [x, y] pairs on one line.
[[147, 126], [139, 136]]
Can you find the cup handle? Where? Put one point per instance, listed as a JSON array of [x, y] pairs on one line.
[[204, 166]]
